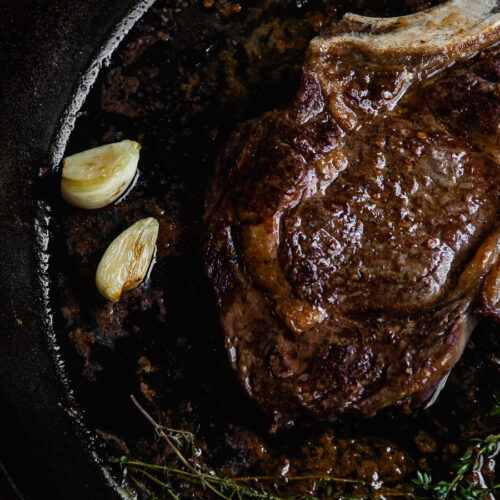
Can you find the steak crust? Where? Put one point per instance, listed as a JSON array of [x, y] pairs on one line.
[[352, 236]]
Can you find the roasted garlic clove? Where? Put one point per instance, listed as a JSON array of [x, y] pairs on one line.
[[126, 260], [96, 177]]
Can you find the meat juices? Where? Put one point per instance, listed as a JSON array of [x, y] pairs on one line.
[[352, 237]]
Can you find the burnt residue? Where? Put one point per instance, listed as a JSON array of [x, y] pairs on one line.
[[180, 82]]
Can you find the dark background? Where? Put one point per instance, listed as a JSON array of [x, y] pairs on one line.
[[44, 46], [8, 490]]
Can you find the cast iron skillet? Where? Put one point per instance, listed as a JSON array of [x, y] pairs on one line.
[[44, 51], [45, 45]]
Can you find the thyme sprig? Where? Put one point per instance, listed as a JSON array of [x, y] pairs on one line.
[[191, 470], [470, 463]]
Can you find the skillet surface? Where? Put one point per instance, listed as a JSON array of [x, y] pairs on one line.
[[44, 48], [180, 81]]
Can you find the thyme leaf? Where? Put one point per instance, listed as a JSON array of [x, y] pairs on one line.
[[460, 487]]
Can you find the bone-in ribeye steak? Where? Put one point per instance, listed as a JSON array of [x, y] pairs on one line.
[[352, 237]]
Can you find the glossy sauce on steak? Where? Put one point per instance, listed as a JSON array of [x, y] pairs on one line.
[[352, 236]]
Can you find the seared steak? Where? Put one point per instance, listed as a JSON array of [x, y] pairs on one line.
[[352, 237]]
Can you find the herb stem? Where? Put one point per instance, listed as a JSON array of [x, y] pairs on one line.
[[161, 432], [295, 478], [196, 472]]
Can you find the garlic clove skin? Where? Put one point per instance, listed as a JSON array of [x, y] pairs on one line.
[[96, 177], [125, 262]]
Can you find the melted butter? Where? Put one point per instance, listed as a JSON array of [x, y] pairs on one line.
[[298, 315], [260, 244]]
